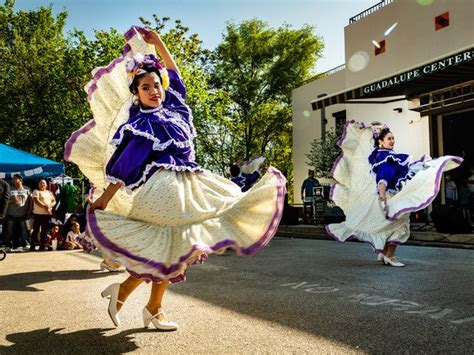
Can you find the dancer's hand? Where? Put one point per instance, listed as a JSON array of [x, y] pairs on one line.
[[99, 204], [383, 198], [102, 202], [150, 36]]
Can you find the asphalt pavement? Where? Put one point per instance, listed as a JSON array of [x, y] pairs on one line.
[[296, 296]]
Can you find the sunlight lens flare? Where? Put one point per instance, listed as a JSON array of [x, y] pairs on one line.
[[425, 2], [358, 61], [306, 113], [390, 29]]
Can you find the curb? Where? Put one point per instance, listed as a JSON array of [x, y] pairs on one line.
[[319, 233]]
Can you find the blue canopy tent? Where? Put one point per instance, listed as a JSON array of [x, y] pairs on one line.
[[15, 161]]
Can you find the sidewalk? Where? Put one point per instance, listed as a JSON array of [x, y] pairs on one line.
[[424, 238]]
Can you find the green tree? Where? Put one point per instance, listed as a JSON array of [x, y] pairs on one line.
[[42, 77], [33, 89], [258, 66], [323, 154]]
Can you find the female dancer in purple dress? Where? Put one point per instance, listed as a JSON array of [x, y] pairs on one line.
[[378, 188], [155, 210]]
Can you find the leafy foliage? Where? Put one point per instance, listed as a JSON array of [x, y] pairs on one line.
[[323, 154], [258, 66], [43, 74], [240, 93]]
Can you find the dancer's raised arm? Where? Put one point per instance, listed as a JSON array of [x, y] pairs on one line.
[[151, 37]]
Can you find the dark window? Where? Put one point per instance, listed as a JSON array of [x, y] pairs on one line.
[[442, 21], [380, 48], [340, 118]]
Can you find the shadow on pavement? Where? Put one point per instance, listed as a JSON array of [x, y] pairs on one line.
[[51, 341], [254, 287], [23, 281]]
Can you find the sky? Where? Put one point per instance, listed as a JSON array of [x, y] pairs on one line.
[[208, 18]]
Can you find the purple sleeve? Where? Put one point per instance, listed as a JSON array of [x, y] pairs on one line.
[[176, 83], [385, 172], [129, 159]]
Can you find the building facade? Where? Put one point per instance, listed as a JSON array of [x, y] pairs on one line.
[[409, 64]]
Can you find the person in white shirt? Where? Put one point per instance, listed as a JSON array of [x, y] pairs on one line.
[[43, 203]]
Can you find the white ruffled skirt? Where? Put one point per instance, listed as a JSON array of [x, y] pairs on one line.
[[367, 219], [176, 218]]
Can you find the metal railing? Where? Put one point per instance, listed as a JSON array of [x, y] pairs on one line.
[[322, 75], [369, 11]]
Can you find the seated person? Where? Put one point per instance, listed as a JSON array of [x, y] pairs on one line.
[[68, 225], [72, 237], [54, 234]]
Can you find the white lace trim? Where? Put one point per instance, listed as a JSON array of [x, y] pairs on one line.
[[384, 181], [401, 180], [157, 144], [181, 99], [398, 184], [148, 167], [395, 159], [175, 117], [113, 180], [151, 110], [179, 120], [177, 94]]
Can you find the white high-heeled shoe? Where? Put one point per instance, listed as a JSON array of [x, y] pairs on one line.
[[159, 324], [112, 292], [380, 257], [392, 261], [105, 266]]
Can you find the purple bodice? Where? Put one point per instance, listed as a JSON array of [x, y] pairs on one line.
[[155, 138], [390, 167]]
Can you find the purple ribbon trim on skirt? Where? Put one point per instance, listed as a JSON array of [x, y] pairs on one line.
[[95, 230]]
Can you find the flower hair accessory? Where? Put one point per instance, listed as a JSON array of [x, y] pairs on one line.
[[138, 64], [377, 128]]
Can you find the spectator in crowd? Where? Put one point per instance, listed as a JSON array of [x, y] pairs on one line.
[[464, 199], [470, 186], [72, 237], [451, 191], [67, 226], [54, 235], [4, 198], [43, 203], [308, 184], [19, 210]]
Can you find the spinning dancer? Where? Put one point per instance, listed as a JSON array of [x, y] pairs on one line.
[[378, 188], [155, 210]]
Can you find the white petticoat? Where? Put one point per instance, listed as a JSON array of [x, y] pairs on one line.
[[176, 218], [367, 219]]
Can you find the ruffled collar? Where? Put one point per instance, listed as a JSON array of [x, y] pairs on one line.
[[380, 156], [151, 110]]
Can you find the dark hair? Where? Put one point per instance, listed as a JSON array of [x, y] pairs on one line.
[[18, 176], [382, 135], [136, 80], [234, 169]]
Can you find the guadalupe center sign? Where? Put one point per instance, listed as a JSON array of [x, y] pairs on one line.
[[433, 67]]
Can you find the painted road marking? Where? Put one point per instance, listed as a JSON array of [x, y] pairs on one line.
[[408, 307]]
